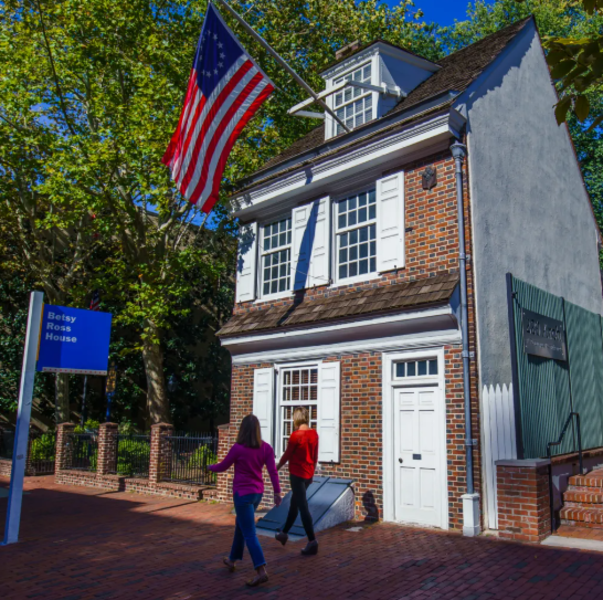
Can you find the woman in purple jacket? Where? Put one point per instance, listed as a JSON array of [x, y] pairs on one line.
[[249, 455]]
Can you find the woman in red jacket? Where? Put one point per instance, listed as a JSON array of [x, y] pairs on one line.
[[302, 455]]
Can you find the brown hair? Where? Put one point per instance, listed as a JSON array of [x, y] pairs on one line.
[[250, 434], [300, 417]]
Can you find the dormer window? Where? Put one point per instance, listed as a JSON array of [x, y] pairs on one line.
[[354, 105]]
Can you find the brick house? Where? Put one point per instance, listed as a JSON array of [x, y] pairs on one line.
[[349, 294]]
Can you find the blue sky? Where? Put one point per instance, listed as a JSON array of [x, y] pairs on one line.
[[443, 12]]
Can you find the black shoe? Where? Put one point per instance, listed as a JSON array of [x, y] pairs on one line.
[[311, 548], [282, 537]]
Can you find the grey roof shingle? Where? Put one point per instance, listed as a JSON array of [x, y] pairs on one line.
[[308, 312]]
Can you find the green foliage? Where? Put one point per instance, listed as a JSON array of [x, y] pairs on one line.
[[89, 425], [202, 457], [43, 447], [131, 452]]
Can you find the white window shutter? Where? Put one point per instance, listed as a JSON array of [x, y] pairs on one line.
[[329, 391], [246, 262], [311, 241], [263, 401], [390, 222]]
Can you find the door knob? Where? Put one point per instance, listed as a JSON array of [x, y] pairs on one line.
[[400, 460]]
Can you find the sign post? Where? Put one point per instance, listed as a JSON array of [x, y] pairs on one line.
[[59, 339], [110, 389], [28, 372]]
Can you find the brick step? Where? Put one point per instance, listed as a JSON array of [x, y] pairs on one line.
[[584, 516], [583, 496], [592, 479]]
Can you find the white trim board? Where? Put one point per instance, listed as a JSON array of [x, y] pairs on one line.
[[388, 359], [386, 344], [339, 166], [355, 325]]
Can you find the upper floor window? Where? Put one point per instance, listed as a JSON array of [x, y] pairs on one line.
[[354, 105], [276, 257], [356, 235]]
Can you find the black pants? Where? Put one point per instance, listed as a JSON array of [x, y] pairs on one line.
[[299, 504]]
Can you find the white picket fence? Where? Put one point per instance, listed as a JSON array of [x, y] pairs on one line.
[[499, 440]]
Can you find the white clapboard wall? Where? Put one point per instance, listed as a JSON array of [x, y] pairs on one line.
[[499, 440]]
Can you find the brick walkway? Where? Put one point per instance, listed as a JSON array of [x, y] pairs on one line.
[[80, 543]]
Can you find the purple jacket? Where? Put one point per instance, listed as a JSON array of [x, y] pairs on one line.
[[249, 463]]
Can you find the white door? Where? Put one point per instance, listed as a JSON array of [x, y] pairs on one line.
[[418, 491]]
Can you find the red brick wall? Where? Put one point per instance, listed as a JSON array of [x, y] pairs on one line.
[[523, 500], [361, 443], [431, 248]]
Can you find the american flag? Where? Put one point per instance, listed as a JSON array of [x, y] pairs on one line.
[[225, 90], [95, 301]]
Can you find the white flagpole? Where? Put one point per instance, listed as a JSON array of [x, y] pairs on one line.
[[282, 62], [28, 372]]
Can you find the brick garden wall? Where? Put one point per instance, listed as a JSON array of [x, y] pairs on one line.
[[523, 500], [431, 248]]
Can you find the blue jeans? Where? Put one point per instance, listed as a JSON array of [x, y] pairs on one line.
[[245, 529]]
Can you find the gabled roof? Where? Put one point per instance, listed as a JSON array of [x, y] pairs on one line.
[[458, 72], [432, 291]]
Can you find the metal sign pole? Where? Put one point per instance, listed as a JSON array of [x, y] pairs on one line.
[[28, 371]]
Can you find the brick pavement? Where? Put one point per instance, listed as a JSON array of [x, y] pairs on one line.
[[80, 543]]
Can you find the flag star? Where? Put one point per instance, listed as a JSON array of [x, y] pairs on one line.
[[222, 55], [220, 65], [215, 71], [215, 36], [220, 45]]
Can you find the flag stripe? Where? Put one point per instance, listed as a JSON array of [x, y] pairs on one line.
[[202, 105], [260, 99], [219, 140], [218, 115], [225, 89]]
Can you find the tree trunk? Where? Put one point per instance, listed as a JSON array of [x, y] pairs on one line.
[[62, 411], [152, 356]]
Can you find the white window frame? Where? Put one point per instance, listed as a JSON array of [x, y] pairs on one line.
[[261, 253], [374, 95], [335, 232], [279, 450]]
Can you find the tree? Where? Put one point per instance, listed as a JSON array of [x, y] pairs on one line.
[[577, 62], [92, 91]]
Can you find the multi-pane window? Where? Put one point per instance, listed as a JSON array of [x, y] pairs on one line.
[[299, 387], [356, 235], [417, 368], [276, 257], [354, 105]]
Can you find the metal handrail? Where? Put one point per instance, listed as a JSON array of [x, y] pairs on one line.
[[554, 524]]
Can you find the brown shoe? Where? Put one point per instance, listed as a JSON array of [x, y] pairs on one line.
[[282, 537], [311, 548], [229, 564], [257, 580]]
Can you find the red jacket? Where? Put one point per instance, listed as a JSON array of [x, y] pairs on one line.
[[302, 453]]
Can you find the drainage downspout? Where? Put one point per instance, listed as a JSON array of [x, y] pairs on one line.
[[471, 516]]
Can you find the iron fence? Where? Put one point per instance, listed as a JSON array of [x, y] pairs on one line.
[[7, 440], [133, 455], [42, 451], [82, 451], [190, 455]]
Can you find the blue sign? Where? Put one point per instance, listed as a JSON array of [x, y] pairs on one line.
[[73, 340]]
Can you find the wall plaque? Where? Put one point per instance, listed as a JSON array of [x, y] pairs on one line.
[[543, 336]]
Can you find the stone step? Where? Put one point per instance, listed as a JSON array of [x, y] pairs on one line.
[[585, 516], [583, 496]]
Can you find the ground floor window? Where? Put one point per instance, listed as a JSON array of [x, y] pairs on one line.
[[299, 387]]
